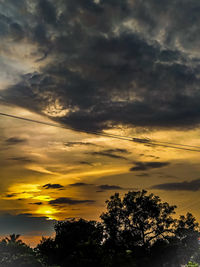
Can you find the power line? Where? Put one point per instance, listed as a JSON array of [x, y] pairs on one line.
[[169, 143], [162, 143], [66, 127], [145, 141]]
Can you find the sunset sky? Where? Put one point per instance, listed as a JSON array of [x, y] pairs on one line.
[[123, 67]]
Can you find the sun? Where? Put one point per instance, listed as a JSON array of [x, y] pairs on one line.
[[47, 212]]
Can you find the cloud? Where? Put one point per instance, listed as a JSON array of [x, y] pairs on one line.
[[53, 186], [11, 195], [25, 224], [144, 166], [36, 203], [107, 153], [152, 19], [22, 159], [117, 150], [69, 201], [152, 156], [15, 141], [100, 188], [85, 163], [71, 144], [181, 186], [79, 184], [109, 63], [105, 187]]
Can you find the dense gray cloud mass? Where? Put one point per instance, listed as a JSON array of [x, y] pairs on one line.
[[114, 62], [25, 224], [177, 21]]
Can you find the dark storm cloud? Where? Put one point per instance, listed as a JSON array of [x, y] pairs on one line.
[[25, 224], [103, 70], [46, 11], [10, 28], [179, 21], [69, 201], [53, 186], [144, 166], [14, 141], [182, 186]]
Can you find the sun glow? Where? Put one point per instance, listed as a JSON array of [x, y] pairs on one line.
[[47, 212], [43, 198], [27, 191], [28, 188]]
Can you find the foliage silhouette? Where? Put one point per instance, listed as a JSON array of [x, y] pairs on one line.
[[13, 239], [137, 220], [15, 253], [77, 243], [138, 230], [145, 226]]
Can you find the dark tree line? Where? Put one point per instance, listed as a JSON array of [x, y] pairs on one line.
[[15, 253], [137, 230]]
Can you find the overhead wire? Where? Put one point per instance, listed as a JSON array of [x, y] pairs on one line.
[[66, 127], [144, 141]]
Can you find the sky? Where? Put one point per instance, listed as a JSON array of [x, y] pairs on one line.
[[122, 67]]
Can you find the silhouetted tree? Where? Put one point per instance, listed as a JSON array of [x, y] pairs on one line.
[[76, 243], [15, 253], [13, 239], [186, 235], [48, 251], [144, 225], [177, 249], [137, 230], [137, 220]]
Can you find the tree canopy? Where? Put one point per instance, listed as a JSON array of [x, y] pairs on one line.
[[138, 219], [15, 253], [77, 243], [137, 230]]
